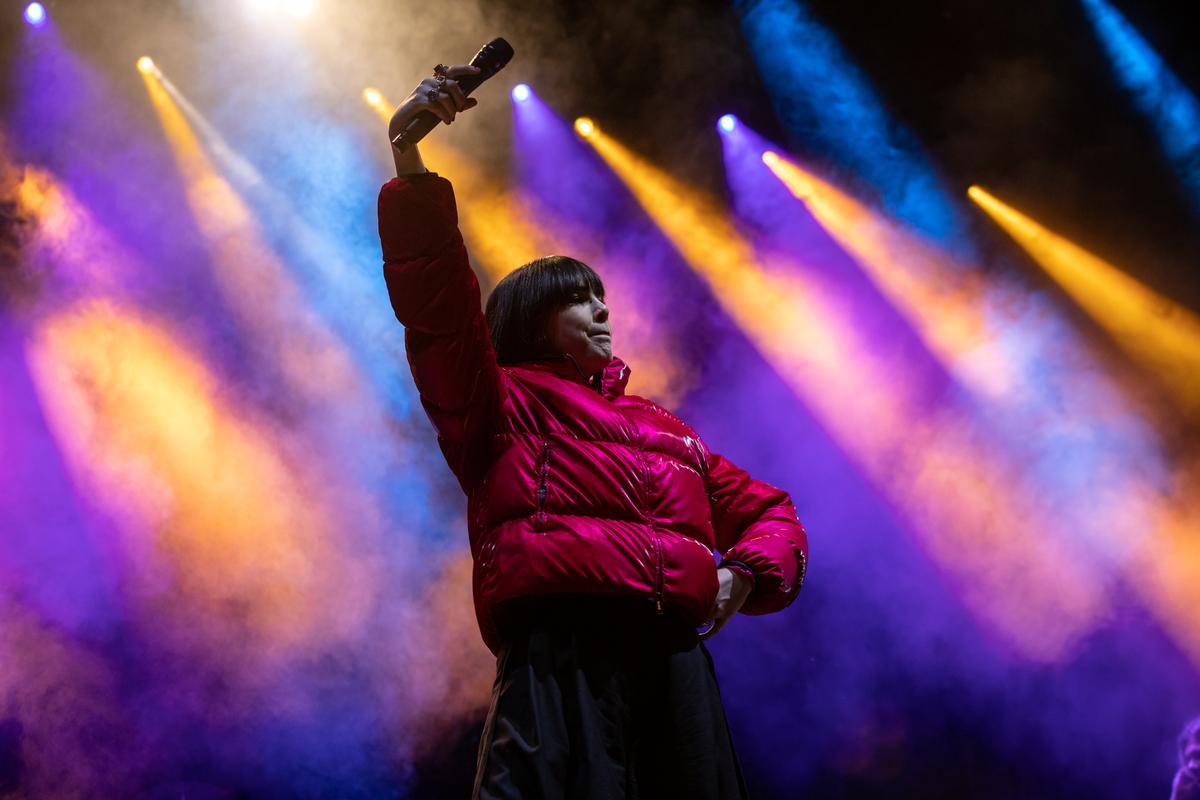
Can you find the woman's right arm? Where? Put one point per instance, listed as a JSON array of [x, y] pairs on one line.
[[443, 100], [435, 296]]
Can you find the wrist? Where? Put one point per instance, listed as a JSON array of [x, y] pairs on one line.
[[740, 569]]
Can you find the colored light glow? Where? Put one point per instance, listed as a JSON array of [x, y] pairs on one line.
[[293, 8], [381, 106], [820, 95], [571, 195], [939, 297], [521, 92], [1166, 568], [215, 496], [373, 96], [965, 323], [496, 223], [585, 127], [727, 123], [91, 261], [35, 13], [1159, 334], [1027, 377], [145, 65], [1166, 101], [248, 272], [967, 502]]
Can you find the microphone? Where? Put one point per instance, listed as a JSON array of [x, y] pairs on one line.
[[490, 59]]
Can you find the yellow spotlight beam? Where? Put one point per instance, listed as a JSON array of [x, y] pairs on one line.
[[1165, 568], [495, 221], [984, 526], [89, 259], [195, 486], [500, 235], [940, 298], [943, 298], [255, 285], [1157, 333]]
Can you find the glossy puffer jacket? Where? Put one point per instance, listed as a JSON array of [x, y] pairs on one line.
[[573, 486]]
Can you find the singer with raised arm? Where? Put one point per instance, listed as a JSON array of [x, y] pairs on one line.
[[608, 540]]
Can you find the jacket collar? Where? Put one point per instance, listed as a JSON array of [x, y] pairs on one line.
[[608, 383]]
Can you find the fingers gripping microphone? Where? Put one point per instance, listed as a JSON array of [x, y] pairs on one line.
[[490, 59]]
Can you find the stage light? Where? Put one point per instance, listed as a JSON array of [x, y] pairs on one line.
[[769, 157], [960, 492], [821, 95], [145, 65], [373, 96], [1170, 105], [1156, 332], [293, 8], [35, 13], [585, 127], [520, 92], [727, 123]]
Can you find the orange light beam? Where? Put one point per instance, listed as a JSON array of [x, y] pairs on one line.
[[1160, 335], [980, 520]]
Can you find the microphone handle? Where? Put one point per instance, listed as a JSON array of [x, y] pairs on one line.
[[490, 59]]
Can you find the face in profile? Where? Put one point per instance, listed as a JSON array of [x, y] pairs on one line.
[[580, 329]]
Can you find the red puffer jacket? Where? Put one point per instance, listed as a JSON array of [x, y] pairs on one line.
[[573, 486]]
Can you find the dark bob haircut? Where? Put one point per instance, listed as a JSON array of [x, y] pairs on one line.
[[520, 307]]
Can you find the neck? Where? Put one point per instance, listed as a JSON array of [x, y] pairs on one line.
[[578, 368]]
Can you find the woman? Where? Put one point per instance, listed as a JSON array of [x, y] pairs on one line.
[[603, 531]]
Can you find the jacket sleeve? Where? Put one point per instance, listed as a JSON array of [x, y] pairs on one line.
[[757, 531], [436, 297]]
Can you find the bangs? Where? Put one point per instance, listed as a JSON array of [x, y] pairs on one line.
[[569, 277], [523, 301]]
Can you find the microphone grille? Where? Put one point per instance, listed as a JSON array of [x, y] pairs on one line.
[[492, 57]]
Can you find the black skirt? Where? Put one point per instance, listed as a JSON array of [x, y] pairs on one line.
[[601, 697]]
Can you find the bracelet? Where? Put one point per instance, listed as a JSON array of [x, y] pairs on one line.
[[399, 142]]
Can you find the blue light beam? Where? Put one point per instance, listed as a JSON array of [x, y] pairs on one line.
[[823, 100], [1172, 109]]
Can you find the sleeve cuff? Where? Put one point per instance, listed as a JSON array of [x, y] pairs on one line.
[[738, 566]]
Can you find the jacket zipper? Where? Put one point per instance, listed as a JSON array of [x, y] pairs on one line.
[[541, 517], [658, 584], [658, 581]]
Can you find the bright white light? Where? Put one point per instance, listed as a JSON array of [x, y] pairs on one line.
[[293, 8], [35, 13], [727, 122], [301, 8], [520, 92]]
